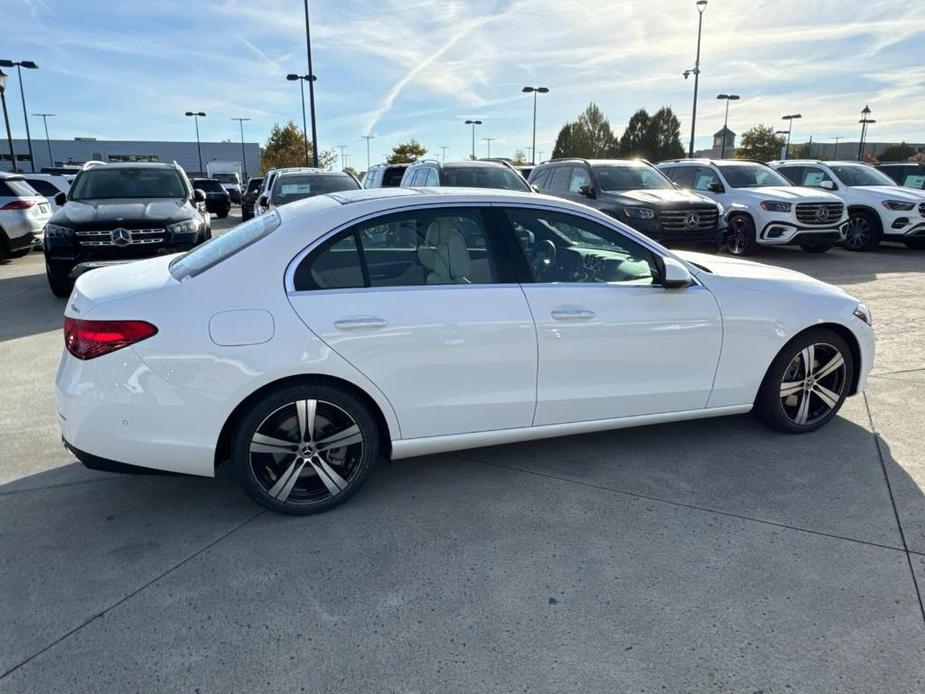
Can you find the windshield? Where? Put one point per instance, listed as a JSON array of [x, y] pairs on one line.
[[104, 182], [630, 177], [220, 248], [210, 185], [254, 184], [226, 177], [483, 177], [751, 175], [860, 175], [298, 186]]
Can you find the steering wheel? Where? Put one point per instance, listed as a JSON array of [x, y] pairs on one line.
[[544, 255]]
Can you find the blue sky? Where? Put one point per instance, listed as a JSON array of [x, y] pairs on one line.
[[128, 69]]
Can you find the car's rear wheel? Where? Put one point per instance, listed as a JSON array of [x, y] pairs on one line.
[[807, 382], [305, 448], [60, 284], [740, 237], [863, 232], [816, 247]]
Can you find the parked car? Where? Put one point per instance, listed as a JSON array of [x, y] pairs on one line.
[[525, 171], [120, 212], [762, 207], [23, 214], [431, 173], [636, 193], [384, 175], [296, 184], [228, 173], [265, 188], [555, 319], [218, 201], [249, 198], [49, 185], [905, 173], [878, 208]]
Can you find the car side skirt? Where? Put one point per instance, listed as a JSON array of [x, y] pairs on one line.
[[407, 448]]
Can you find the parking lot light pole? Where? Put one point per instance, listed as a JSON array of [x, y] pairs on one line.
[[489, 140], [311, 88], [19, 65], [444, 148], [45, 117], [789, 118], [701, 6], [473, 123], [243, 153], [302, 79], [727, 98], [865, 121], [835, 152], [6, 121], [343, 157], [367, 138], [535, 91], [196, 116]]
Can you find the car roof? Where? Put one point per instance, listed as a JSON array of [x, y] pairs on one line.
[[314, 172], [135, 165], [9, 175], [900, 163], [605, 162]]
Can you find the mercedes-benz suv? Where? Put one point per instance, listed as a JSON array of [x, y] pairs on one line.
[[120, 212]]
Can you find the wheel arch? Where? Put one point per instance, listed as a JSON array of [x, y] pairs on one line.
[[843, 332], [859, 207], [223, 444]]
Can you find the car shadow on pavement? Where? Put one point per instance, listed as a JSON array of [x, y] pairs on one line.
[[28, 307], [842, 267]]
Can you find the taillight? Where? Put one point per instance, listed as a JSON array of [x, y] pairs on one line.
[[18, 205], [88, 339]]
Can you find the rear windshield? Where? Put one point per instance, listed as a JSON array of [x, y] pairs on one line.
[[483, 177], [392, 177], [220, 248], [16, 188], [254, 184], [210, 185], [104, 182], [294, 187], [226, 177]]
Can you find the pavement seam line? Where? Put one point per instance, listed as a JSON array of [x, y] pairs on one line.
[[889, 489], [55, 486], [691, 507], [126, 598]]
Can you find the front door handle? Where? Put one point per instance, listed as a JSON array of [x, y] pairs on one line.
[[359, 322], [572, 313]]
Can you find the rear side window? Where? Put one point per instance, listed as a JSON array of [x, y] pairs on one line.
[[682, 175], [541, 180], [560, 178], [432, 179], [16, 188], [220, 248]]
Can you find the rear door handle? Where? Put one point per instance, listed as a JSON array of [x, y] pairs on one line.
[[360, 322], [572, 313]]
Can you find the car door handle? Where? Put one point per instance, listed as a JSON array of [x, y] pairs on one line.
[[360, 322], [572, 314]]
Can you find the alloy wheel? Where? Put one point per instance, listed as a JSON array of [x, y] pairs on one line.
[[858, 233], [306, 452], [737, 240], [813, 384]]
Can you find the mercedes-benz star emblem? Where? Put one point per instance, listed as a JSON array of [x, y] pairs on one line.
[[692, 220], [820, 212], [120, 237]]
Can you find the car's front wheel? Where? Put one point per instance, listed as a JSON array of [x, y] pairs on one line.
[[863, 232], [305, 448], [59, 283], [740, 237], [807, 382]]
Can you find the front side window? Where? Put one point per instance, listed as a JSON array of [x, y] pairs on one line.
[[861, 175], [683, 175], [103, 182], [292, 187], [811, 177], [565, 248], [579, 178], [751, 175], [706, 179], [614, 177], [541, 180]]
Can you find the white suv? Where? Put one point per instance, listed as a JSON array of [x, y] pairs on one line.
[[762, 207], [879, 208]]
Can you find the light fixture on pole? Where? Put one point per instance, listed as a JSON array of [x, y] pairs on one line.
[[45, 117], [302, 79], [6, 121], [727, 98], [19, 65], [367, 138], [535, 91], [196, 116], [243, 153], [473, 123], [311, 88], [701, 6], [489, 140], [789, 118], [865, 121]]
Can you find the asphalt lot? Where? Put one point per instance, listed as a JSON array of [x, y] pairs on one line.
[[706, 556]]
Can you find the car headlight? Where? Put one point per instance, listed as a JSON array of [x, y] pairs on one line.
[[639, 212], [898, 205], [56, 231], [776, 206], [862, 312], [187, 226]]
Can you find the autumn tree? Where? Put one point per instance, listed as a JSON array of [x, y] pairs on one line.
[[520, 158], [760, 143], [286, 147], [406, 152], [900, 152]]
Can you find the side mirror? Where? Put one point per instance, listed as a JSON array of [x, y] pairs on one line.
[[60, 199], [828, 185], [263, 201], [199, 195], [674, 274], [716, 187], [587, 191]]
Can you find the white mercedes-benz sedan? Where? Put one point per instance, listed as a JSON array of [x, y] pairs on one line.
[[305, 344]]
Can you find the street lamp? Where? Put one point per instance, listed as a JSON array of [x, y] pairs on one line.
[[489, 140], [6, 120], [444, 148], [865, 121], [243, 153], [535, 91], [29, 65], [473, 123], [196, 116], [302, 79], [789, 118], [45, 117], [727, 98], [835, 152], [343, 157], [701, 6], [367, 138], [311, 90]]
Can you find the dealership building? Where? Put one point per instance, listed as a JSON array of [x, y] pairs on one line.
[[83, 149]]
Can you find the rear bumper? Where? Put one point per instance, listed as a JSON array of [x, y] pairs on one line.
[[94, 462]]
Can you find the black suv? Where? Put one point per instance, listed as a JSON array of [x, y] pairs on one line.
[[120, 212], [249, 197], [637, 194], [384, 176], [218, 200], [430, 173], [906, 173]]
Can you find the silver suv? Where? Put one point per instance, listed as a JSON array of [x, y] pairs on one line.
[[23, 214]]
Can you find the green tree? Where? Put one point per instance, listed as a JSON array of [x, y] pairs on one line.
[[286, 147], [634, 140], [567, 144], [406, 152], [520, 158], [352, 171], [900, 152], [596, 134], [760, 143], [663, 136]]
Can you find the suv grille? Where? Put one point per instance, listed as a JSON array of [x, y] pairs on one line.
[[132, 237], [819, 212], [689, 220]]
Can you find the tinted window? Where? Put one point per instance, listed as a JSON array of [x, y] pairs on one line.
[[629, 177], [683, 176], [336, 265], [809, 176], [560, 178], [220, 248], [291, 187], [794, 174], [391, 178], [565, 248], [209, 185], [541, 180], [578, 179], [254, 184], [861, 175], [483, 177], [16, 187], [103, 182], [704, 177], [751, 175], [43, 187]]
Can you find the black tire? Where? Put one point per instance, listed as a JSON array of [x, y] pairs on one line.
[[301, 479], [223, 214], [916, 244], [20, 253], [788, 401], [816, 247], [59, 283], [863, 233], [741, 238]]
